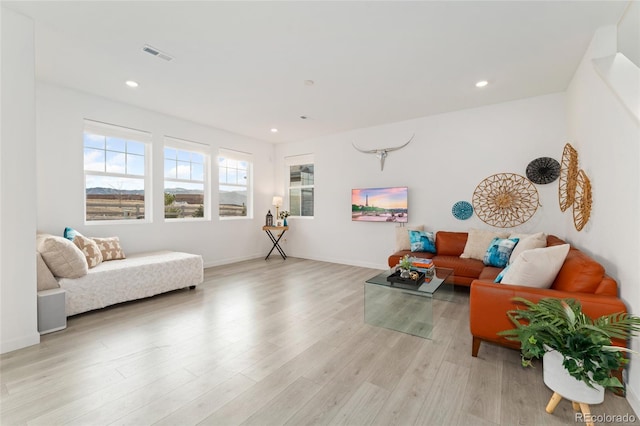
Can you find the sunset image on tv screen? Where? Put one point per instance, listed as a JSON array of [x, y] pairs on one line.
[[379, 204]]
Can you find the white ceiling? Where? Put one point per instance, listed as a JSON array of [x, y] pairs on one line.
[[241, 66]]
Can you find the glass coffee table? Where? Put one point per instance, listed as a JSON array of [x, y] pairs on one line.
[[404, 309]]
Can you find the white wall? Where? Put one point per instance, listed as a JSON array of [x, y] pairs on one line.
[[449, 156], [60, 114], [607, 138], [17, 185]]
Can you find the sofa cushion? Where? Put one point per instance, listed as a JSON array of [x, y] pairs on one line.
[[422, 241], [499, 252], [450, 243], [45, 279], [63, 258], [402, 236], [478, 242], [489, 273], [90, 250], [527, 242], [470, 268], [536, 268], [110, 248], [580, 273]]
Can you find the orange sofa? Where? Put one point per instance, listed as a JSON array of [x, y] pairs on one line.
[[580, 278], [449, 247]]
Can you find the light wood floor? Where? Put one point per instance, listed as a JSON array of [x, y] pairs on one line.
[[271, 343]]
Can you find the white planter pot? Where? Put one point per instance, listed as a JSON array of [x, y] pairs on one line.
[[557, 378]]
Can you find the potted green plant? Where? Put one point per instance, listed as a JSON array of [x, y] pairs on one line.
[[405, 266], [558, 329]]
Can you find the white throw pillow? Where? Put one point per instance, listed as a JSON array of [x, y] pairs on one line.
[[63, 258], [402, 236], [537, 267], [45, 279], [529, 242], [478, 242]]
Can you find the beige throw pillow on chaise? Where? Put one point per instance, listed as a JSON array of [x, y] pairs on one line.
[[90, 250], [63, 258]]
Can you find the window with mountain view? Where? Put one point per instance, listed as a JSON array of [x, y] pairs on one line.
[[235, 188], [115, 172], [185, 180]]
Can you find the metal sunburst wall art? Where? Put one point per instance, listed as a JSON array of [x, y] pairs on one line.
[[568, 177], [543, 170], [582, 201], [505, 200]]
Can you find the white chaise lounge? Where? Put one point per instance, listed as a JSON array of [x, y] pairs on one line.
[[136, 277], [62, 267]]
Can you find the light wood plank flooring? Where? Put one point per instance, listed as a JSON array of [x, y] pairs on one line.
[[271, 343]]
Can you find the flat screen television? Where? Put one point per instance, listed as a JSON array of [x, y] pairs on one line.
[[379, 204]]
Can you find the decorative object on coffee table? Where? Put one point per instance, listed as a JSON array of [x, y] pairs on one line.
[[543, 170], [582, 201], [505, 200], [413, 279], [405, 266], [568, 177], [462, 210]]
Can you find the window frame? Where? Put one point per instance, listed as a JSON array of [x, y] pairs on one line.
[[299, 160], [196, 148], [230, 154], [107, 130]]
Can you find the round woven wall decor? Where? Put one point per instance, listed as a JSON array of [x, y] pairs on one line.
[[505, 200], [582, 201], [568, 176], [462, 210], [543, 170]]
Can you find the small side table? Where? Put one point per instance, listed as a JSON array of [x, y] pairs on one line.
[[275, 239]]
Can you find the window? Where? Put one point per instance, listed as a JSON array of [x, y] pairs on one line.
[[185, 180], [301, 185], [115, 172], [235, 184]]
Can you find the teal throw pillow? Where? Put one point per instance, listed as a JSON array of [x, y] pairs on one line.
[[422, 241], [499, 251], [70, 233], [501, 274]]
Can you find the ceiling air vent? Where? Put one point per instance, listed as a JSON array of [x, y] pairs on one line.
[[156, 52]]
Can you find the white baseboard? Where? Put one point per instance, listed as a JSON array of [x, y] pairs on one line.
[[634, 401], [19, 343]]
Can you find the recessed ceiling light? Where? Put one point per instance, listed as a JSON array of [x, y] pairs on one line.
[[482, 83], [131, 83], [274, 130]]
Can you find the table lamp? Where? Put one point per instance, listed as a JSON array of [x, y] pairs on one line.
[[277, 201]]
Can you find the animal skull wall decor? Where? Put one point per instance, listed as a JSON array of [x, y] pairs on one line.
[[381, 153]]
